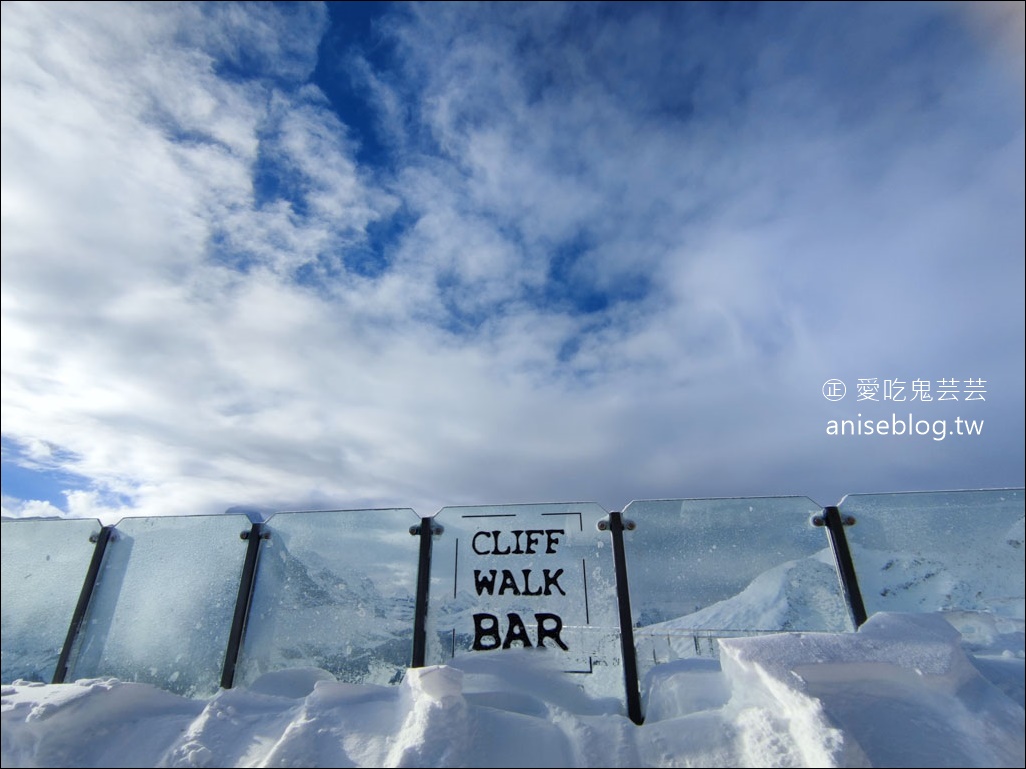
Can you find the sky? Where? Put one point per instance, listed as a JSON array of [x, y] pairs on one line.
[[373, 255]]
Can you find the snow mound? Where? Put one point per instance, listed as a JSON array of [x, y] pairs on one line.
[[906, 690]]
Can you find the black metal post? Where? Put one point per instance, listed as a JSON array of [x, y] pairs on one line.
[[835, 524], [632, 688], [84, 597], [243, 602], [424, 530]]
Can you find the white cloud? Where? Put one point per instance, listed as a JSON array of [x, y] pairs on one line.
[[758, 212], [31, 508]]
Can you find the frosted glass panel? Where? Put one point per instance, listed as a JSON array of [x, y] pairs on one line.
[[706, 568], [44, 564], [527, 576], [162, 609], [334, 590], [939, 551]]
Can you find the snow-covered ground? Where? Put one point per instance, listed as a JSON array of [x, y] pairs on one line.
[[906, 690]]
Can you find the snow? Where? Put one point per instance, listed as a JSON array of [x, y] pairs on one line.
[[905, 690]]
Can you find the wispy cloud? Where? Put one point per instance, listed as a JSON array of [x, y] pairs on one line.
[[608, 252]]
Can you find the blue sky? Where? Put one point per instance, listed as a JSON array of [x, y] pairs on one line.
[[364, 255]]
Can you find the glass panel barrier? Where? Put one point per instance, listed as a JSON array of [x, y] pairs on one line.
[[44, 563], [702, 569], [954, 551], [163, 604], [511, 577], [334, 590]]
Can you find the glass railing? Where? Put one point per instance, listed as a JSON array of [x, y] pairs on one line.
[[193, 603], [939, 551], [527, 576], [44, 563], [337, 591], [702, 569], [163, 603]]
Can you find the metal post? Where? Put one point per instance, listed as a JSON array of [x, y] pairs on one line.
[[632, 688], [84, 597], [243, 601], [425, 530], [835, 523]]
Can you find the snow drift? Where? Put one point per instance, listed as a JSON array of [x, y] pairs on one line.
[[906, 690]]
